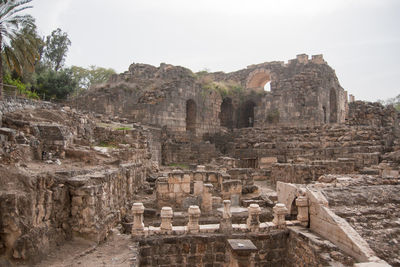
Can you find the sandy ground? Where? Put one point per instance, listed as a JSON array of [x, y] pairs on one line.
[[115, 251]]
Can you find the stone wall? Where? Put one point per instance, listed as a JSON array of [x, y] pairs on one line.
[[99, 200], [34, 213], [81, 190], [165, 96], [312, 143], [181, 189], [374, 114], [14, 104], [303, 92], [296, 247], [183, 147], [371, 207], [305, 173], [305, 248], [210, 250]]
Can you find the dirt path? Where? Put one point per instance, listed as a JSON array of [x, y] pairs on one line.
[[115, 251]]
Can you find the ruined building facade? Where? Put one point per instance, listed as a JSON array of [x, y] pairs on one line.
[[303, 92]]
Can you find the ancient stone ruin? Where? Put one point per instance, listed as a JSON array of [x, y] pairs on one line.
[[161, 166]]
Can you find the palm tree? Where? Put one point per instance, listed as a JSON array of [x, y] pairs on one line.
[[17, 51]]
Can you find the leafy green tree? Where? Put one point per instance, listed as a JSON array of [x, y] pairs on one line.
[[93, 75], [53, 84], [15, 51], [56, 48]]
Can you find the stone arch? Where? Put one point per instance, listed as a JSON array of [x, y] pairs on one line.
[[332, 106], [246, 118], [191, 114], [258, 79], [226, 115]]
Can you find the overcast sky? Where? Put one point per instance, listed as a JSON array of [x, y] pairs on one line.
[[360, 39]]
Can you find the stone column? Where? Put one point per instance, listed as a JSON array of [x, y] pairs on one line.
[[302, 210], [138, 226], [194, 215], [253, 221], [280, 211], [226, 222], [166, 219], [206, 204]]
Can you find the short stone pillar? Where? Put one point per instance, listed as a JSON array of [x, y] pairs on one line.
[[194, 215], [280, 211], [226, 221], [242, 252], [253, 221], [206, 203], [138, 226], [302, 210], [166, 219]]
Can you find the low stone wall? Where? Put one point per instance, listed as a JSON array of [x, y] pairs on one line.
[[14, 104], [294, 246], [184, 188], [99, 200], [210, 250], [304, 173]]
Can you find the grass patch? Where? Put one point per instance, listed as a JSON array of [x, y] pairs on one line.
[[107, 144], [224, 88], [123, 128], [179, 165]]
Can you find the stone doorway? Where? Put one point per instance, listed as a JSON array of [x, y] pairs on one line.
[[226, 115], [247, 115], [191, 113]]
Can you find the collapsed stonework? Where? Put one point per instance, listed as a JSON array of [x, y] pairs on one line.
[[204, 169]]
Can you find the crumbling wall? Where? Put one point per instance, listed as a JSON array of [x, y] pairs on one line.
[[99, 200], [303, 92], [34, 217], [157, 97]]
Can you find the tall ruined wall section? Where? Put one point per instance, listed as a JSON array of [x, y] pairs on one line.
[[303, 92], [165, 96]]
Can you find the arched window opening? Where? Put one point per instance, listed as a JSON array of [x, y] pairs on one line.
[[324, 110], [191, 111], [333, 106], [267, 87], [226, 115]]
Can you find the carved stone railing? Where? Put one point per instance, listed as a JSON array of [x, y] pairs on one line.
[[253, 223]]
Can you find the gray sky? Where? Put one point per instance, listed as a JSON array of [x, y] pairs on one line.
[[360, 39]]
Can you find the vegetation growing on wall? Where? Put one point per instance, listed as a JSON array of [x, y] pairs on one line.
[[395, 101]]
